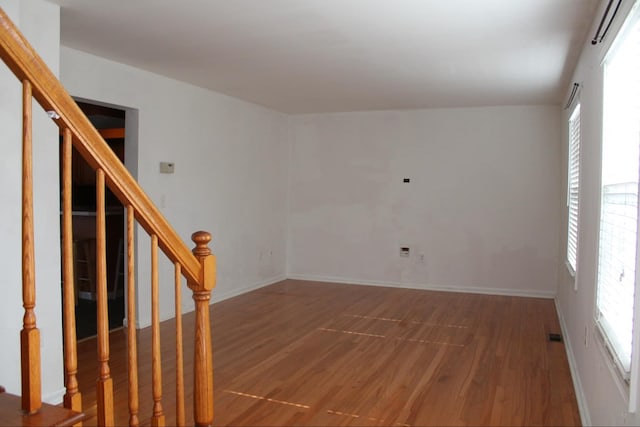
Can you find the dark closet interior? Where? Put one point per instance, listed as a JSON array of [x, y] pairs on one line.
[[110, 122]]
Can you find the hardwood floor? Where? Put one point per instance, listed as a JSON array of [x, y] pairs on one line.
[[308, 353]]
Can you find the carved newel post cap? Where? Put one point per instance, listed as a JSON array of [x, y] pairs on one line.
[[201, 239]]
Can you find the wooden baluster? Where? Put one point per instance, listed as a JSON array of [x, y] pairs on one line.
[[203, 352], [72, 397], [180, 415], [157, 418], [30, 335], [104, 393], [134, 421]]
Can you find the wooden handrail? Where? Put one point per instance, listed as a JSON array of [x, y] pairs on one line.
[[72, 397], [158, 418], [26, 64], [132, 342], [203, 360], [30, 335], [104, 383], [180, 414], [197, 266]]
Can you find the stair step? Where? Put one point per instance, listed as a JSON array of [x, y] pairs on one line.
[[49, 415]]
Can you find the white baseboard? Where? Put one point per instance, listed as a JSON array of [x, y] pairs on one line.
[[583, 408], [221, 296], [428, 287]]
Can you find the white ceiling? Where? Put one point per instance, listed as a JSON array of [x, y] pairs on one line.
[[303, 56]]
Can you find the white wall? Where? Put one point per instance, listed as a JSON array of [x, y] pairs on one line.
[[230, 176], [602, 398], [479, 213], [39, 21]]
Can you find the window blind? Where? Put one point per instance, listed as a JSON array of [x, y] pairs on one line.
[[573, 183]]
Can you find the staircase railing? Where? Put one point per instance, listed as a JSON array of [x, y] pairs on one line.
[[197, 266]]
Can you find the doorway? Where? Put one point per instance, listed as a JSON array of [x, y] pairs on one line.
[[110, 122]]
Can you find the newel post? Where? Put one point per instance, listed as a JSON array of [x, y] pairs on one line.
[[203, 351]]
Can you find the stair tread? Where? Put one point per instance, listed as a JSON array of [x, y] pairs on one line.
[[49, 415]]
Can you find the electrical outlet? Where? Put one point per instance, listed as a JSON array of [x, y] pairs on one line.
[[404, 251]]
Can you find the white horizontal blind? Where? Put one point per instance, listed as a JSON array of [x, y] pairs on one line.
[[573, 183], [619, 197]]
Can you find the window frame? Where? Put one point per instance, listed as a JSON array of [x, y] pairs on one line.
[[628, 382]]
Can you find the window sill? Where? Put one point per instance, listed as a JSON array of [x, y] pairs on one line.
[[618, 374]]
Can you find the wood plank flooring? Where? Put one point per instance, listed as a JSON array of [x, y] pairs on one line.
[[309, 353]]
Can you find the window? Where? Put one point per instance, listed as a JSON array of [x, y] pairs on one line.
[[619, 194], [573, 186]]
